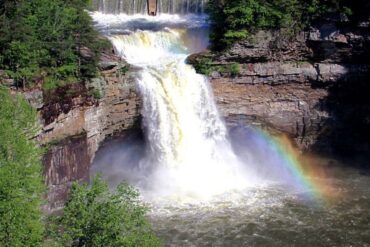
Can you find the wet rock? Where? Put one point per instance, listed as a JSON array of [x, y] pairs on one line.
[[107, 65]]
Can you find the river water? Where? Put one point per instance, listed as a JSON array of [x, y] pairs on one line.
[[207, 186]]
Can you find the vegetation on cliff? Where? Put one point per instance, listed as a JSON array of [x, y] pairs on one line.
[[238, 19], [21, 184], [53, 42], [92, 216]]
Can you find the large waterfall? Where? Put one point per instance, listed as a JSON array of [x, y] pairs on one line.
[[139, 6], [189, 155]]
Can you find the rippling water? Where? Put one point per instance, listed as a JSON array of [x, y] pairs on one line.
[[269, 216]]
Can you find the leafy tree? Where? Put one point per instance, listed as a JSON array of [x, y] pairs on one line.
[[94, 216], [237, 19], [21, 183], [44, 40]]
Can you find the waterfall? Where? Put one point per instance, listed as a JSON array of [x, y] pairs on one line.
[[139, 6], [189, 154]]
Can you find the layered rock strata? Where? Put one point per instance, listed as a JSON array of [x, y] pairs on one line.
[[297, 86], [76, 119]]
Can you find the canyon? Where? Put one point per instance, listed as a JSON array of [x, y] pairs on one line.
[[309, 88]]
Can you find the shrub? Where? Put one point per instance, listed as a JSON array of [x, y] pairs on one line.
[[203, 65], [234, 69], [94, 216]]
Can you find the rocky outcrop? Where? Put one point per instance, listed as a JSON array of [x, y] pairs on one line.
[[65, 162], [293, 86], [77, 118]]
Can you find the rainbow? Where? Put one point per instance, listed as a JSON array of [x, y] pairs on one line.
[[304, 172]]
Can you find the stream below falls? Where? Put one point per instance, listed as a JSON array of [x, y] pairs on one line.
[[208, 185]]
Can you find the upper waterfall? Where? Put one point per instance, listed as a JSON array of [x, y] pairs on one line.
[[131, 7]]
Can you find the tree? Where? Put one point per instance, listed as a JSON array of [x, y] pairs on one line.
[[233, 20], [21, 185], [42, 40], [94, 216]]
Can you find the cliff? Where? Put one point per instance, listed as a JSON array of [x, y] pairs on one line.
[[77, 118], [311, 87]]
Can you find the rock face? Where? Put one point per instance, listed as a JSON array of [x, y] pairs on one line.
[[299, 87], [75, 120], [65, 162]]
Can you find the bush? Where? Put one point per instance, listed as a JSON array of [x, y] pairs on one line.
[[234, 69], [21, 184], [94, 216], [205, 65], [95, 93]]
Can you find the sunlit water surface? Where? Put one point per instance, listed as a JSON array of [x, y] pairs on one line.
[[270, 216]]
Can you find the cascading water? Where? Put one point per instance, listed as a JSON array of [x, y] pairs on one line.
[[139, 6], [189, 154]]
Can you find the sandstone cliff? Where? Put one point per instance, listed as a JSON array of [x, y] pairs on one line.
[[309, 87], [76, 119]]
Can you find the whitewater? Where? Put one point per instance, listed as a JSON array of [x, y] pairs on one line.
[[189, 155]]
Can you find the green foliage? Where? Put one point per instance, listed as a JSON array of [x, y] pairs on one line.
[[234, 69], [205, 66], [21, 183], [95, 93], [43, 38], [94, 216], [237, 19], [125, 69]]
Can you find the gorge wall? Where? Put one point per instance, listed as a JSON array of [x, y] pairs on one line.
[[311, 87], [76, 119]]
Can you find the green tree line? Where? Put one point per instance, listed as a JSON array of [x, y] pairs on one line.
[[52, 41], [237, 19]]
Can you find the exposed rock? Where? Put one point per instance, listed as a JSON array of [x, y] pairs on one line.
[[108, 65], [35, 97], [76, 123], [300, 87], [268, 46], [291, 108], [64, 163]]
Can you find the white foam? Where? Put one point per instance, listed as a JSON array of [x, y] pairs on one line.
[[189, 156]]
